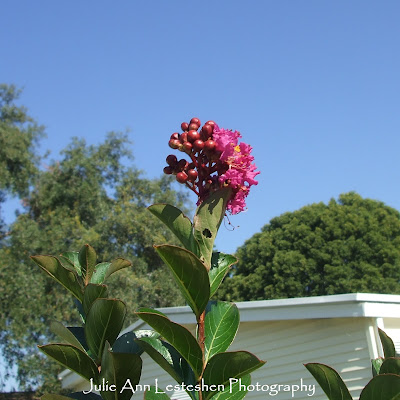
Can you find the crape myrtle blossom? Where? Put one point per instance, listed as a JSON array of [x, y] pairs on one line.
[[217, 160]]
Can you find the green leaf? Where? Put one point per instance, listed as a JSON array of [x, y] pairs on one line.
[[71, 258], [117, 368], [179, 224], [207, 220], [73, 358], [233, 390], [387, 344], [93, 292], [330, 381], [99, 273], [116, 265], [168, 359], [220, 264], [224, 366], [390, 365], [60, 330], [221, 325], [177, 335], [75, 395], [87, 258], [103, 323], [154, 394], [382, 387], [376, 366], [190, 274], [52, 266], [126, 343]]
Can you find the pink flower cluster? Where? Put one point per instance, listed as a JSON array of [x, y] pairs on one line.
[[217, 160], [241, 169]]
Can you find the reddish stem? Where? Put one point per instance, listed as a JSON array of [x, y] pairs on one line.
[[201, 340]]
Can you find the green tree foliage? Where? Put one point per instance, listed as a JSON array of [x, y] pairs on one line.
[[19, 135], [350, 245], [89, 196]]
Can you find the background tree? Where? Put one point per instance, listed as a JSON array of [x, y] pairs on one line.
[[89, 196], [19, 136], [350, 245]]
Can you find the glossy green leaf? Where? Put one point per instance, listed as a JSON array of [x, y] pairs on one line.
[[224, 366], [71, 259], [99, 273], [103, 323], [116, 265], [330, 381], [390, 365], [190, 274], [87, 258], [52, 266], [177, 335], [126, 343], [154, 394], [63, 332], [73, 358], [93, 292], [220, 265], [382, 387], [387, 344], [233, 391], [221, 325], [84, 396], [179, 224], [79, 333], [207, 220], [168, 359], [75, 395], [376, 366], [116, 369]]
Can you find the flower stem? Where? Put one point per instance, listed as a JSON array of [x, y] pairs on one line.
[[201, 341]]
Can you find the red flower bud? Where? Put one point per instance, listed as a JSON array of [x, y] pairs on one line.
[[184, 126], [209, 145], [174, 143], [195, 121], [187, 147], [171, 160], [181, 177], [168, 170], [198, 145], [192, 175], [193, 135]]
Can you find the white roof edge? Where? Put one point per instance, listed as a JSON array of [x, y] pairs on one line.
[[314, 300]]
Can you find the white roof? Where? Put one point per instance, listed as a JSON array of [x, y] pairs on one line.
[[333, 306]]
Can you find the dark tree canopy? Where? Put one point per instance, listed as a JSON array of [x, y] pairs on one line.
[[19, 135], [89, 195], [347, 246]]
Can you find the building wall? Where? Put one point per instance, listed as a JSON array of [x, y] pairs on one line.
[[286, 345]]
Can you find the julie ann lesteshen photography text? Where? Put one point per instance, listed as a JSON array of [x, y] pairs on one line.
[[269, 389]]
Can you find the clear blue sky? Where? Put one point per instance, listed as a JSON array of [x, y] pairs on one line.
[[313, 86]]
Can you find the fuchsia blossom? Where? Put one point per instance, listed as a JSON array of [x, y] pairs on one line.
[[217, 160], [241, 172]]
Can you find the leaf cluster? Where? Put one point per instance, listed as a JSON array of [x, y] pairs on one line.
[[192, 360], [385, 384]]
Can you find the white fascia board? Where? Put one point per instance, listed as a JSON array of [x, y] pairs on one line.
[[333, 306]]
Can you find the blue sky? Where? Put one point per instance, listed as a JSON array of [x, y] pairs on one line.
[[313, 86]]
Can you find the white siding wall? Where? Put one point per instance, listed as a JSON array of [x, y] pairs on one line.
[[286, 345]]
